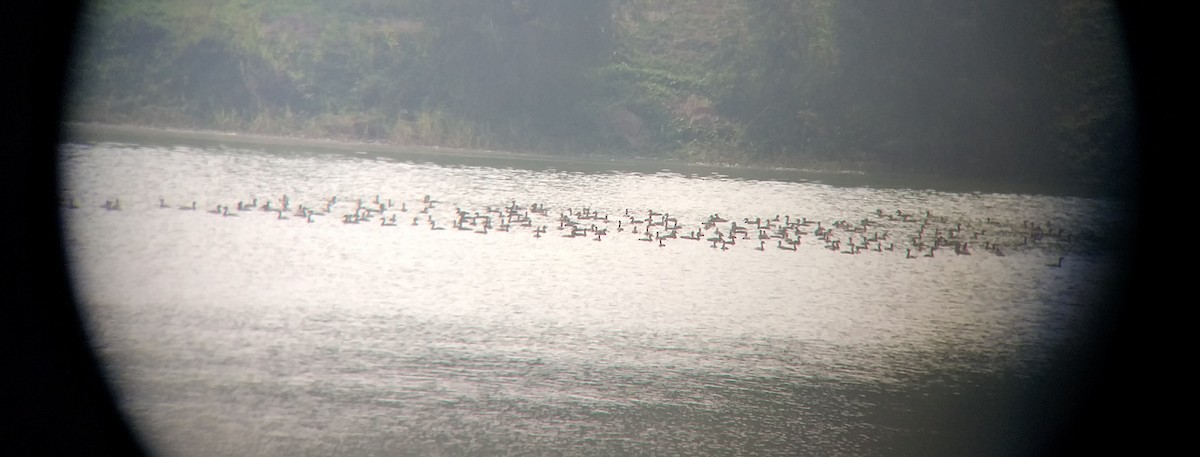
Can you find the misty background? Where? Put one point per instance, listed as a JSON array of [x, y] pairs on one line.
[[1019, 91]]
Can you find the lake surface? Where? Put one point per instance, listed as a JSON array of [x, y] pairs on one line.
[[327, 330]]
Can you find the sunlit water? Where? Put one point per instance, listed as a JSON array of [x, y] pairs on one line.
[[255, 335]]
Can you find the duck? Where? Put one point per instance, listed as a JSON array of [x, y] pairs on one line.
[[1056, 265], [964, 250], [188, 208]]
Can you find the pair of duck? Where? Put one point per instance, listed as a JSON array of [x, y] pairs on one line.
[[762, 246]]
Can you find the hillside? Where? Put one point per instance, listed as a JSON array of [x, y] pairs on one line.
[[1025, 90]]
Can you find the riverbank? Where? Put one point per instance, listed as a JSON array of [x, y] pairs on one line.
[[91, 131], [839, 176]]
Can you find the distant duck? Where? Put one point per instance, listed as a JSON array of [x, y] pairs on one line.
[[281, 217], [964, 250], [908, 254], [162, 203], [243, 207], [761, 245], [188, 208], [1056, 265]]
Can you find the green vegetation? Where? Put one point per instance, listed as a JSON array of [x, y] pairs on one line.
[[1026, 89]]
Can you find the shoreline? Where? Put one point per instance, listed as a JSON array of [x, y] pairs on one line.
[[94, 131], [77, 129], [80, 130]]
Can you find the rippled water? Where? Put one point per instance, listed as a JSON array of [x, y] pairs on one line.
[[255, 335]]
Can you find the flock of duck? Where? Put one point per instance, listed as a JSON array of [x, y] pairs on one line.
[[917, 235]]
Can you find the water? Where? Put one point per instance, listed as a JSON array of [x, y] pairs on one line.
[[255, 335]]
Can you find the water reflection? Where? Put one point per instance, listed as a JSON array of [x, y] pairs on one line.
[[284, 336]]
